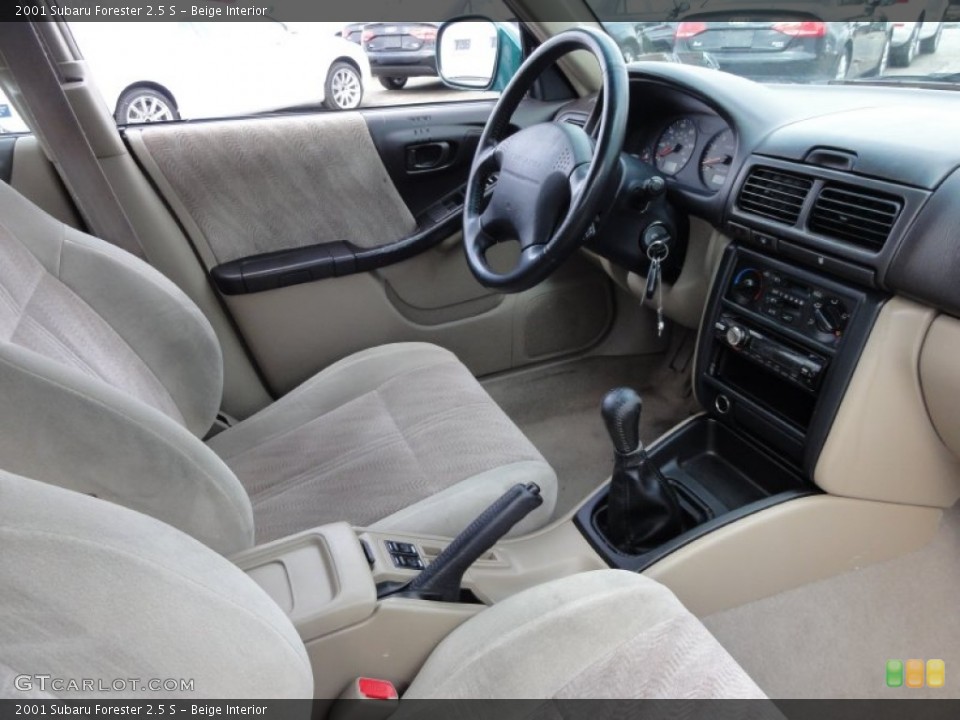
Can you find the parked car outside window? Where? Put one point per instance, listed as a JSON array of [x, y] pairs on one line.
[[219, 69]]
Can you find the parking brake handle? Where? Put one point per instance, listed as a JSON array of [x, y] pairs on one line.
[[441, 579]]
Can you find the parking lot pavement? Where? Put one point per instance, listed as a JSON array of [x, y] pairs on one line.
[[945, 59], [418, 90]]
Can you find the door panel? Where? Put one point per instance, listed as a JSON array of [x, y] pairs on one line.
[[294, 332], [321, 186], [255, 186]]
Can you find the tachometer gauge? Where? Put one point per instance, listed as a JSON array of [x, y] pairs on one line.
[[675, 146], [717, 158]]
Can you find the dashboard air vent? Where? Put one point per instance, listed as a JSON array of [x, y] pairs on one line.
[[775, 194], [855, 215], [578, 119]]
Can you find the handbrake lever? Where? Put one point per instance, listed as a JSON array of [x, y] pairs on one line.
[[441, 580]]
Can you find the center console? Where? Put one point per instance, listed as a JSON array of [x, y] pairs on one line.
[[776, 351]]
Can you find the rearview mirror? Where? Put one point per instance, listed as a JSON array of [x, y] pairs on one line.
[[477, 54]]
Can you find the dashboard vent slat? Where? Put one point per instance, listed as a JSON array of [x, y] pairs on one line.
[[775, 194], [577, 119], [855, 215]]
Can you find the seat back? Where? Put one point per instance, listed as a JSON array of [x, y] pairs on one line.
[[108, 375], [93, 591], [92, 307]]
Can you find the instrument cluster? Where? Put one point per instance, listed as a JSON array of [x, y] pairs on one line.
[[695, 151]]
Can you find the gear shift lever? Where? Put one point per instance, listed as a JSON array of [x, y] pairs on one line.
[[642, 508]]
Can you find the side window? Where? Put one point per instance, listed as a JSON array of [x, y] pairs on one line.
[[166, 71], [10, 121]]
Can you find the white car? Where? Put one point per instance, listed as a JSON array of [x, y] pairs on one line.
[[908, 39], [154, 72], [916, 27]]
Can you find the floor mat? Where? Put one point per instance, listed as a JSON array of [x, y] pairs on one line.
[[833, 638], [558, 408]]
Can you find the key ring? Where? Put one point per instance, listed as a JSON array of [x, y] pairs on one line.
[[658, 251]]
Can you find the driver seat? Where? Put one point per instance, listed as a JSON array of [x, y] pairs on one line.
[[110, 376]]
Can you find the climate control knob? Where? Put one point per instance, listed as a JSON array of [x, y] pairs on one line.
[[828, 319], [748, 286], [737, 336]]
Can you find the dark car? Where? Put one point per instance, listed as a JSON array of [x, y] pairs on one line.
[[657, 36], [401, 50], [353, 32], [792, 51], [630, 42]]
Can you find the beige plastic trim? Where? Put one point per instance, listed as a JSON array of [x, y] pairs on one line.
[[320, 578], [685, 300], [940, 378], [511, 566], [790, 545], [883, 445], [391, 645], [780, 548]]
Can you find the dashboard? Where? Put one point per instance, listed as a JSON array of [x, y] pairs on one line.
[[860, 182]]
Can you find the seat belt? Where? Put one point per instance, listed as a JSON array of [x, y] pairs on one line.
[[41, 87]]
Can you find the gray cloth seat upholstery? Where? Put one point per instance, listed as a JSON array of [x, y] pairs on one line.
[[110, 376], [94, 590]]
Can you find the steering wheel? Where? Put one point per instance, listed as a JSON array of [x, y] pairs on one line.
[[553, 177]]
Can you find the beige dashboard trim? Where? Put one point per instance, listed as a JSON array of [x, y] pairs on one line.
[[940, 378], [883, 445]]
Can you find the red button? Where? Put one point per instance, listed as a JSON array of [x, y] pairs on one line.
[[377, 689]]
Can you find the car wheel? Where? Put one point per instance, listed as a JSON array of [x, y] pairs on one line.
[[904, 55], [393, 83], [344, 88], [145, 105], [884, 62], [843, 65], [931, 44], [630, 53]]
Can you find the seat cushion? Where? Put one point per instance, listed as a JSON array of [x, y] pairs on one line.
[[399, 437], [608, 634]]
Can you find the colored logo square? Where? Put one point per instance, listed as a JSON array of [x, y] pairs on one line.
[[894, 673], [936, 673], [914, 673]]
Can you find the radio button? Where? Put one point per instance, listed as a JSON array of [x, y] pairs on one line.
[[737, 336]]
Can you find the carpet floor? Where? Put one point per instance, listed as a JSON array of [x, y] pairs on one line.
[[558, 408]]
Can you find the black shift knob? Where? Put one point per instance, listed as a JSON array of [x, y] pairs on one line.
[[621, 414]]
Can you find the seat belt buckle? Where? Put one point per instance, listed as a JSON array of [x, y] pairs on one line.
[[366, 699]]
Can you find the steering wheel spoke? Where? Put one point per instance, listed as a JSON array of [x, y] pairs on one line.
[[578, 181], [487, 159], [551, 176]]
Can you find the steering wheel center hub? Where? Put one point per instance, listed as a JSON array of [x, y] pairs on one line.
[[552, 177]]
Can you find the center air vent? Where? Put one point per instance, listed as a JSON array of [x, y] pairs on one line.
[[856, 215], [775, 194]]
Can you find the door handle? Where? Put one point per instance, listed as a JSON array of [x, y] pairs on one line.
[[429, 156]]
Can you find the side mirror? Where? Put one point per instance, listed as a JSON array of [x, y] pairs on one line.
[[478, 54]]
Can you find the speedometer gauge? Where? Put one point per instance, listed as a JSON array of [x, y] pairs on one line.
[[675, 146], [717, 159]]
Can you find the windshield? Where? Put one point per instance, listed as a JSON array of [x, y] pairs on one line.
[[887, 41]]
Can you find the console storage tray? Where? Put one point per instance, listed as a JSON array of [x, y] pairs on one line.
[[726, 475]]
